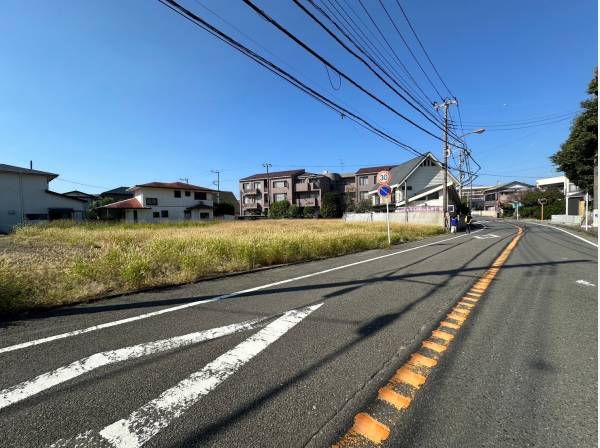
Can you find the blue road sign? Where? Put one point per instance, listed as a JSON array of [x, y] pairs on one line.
[[384, 190]]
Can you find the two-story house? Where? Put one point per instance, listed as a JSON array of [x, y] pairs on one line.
[[161, 201], [365, 181], [499, 195], [25, 198]]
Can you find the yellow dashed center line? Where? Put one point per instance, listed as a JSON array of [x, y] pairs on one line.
[[366, 427]]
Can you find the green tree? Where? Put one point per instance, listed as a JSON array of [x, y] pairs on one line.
[[579, 154], [309, 212], [223, 208], [92, 213], [294, 211], [279, 209], [363, 206], [329, 205]]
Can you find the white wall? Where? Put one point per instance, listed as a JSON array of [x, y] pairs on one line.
[[425, 217], [167, 201], [23, 194]]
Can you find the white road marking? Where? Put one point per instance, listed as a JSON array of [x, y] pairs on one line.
[[154, 416], [585, 283], [487, 236], [47, 380], [565, 231], [214, 299]]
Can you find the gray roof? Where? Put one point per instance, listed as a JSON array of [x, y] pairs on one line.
[[400, 172], [18, 169], [509, 184], [123, 191]]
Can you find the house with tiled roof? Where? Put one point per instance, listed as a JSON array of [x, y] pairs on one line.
[[162, 201]]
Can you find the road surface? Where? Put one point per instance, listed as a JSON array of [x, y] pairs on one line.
[[290, 356]]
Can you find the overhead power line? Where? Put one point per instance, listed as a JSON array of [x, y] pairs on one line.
[[321, 59], [423, 48], [364, 62], [198, 21]]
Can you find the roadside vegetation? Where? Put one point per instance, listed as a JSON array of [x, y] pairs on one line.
[[62, 262]]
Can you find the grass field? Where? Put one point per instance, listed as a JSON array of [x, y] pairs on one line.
[[61, 263]]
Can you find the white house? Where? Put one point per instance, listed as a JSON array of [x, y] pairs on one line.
[[575, 202], [25, 198], [420, 182], [160, 201]]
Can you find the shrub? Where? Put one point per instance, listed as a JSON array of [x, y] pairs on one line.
[[309, 212], [223, 209], [363, 206], [279, 209], [329, 205], [294, 211]]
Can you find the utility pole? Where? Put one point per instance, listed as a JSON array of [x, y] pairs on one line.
[[218, 184], [267, 165], [447, 102]]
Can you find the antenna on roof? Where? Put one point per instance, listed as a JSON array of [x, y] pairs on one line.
[[187, 181]]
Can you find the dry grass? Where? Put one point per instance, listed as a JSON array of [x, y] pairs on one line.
[[63, 263]]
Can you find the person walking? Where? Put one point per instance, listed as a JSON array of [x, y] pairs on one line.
[[468, 221], [454, 224]]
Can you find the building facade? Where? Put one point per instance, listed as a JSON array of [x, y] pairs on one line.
[[25, 198], [160, 202]]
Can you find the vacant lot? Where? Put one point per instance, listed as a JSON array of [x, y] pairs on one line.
[[64, 263]]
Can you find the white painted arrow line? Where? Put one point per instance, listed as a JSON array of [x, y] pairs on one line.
[[154, 416], [47, 380], [584, 282], [215, 299]]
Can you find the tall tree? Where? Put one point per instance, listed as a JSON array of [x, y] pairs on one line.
[[579, 154]]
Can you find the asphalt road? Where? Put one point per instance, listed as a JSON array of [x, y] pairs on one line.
[[252, 372]]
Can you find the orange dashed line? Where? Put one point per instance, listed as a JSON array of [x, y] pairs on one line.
[[442, 335], [422, 360], [450, 325], [434, 346], [457, 316], [368, 427], [392, 397], [407, 376], [466, 304]]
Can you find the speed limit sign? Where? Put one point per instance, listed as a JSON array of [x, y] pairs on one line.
[[383, 177]]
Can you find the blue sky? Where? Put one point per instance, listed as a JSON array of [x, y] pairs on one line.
[[109, 93]]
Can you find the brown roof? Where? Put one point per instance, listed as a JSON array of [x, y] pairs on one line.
[[374, 169], [274, 174], [127, 204], [172, 185]]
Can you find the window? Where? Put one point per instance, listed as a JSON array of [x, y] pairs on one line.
[[490, 197], [177, 193], [199, 196], [408, 187], [204, 215], [164, 213], [363, 195], [187, 193], [36, 216], [246, 186], [280, 197], [363, 180], [156, 214], [257, 185], [428, 162], [151, 201], [280, 184]]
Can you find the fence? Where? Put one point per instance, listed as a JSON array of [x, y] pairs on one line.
[[433, 216]]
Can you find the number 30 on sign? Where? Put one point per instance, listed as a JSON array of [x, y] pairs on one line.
[[383, 177]]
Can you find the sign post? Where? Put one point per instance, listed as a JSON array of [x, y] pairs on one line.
[[542, 201], [384, 190], [516, 206]]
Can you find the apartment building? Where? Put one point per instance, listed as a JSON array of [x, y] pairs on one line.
[[260, 190]]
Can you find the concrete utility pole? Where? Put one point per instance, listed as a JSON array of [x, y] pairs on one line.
[[447, 102], [267, 165], [218, 184]]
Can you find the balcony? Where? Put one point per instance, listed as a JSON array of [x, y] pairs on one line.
[[350, 188], [251, 191], [306, 186]]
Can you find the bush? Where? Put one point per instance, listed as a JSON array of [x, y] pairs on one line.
[[223, 209], [309, 212], [363, 206], [279, 209], [294, 211], [329, 205]]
